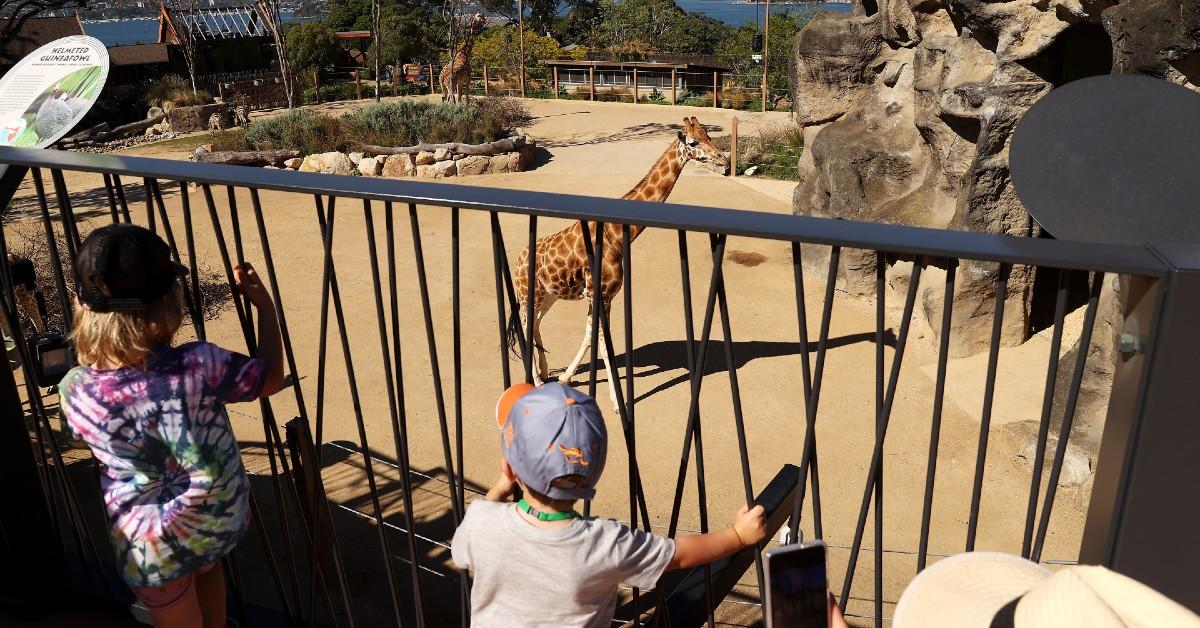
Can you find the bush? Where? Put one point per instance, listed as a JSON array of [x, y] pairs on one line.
[[772, 152], [175, 90], [655, 98], [509, 112], [298, 130]]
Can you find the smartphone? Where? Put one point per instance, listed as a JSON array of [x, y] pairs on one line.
[[797, 586]]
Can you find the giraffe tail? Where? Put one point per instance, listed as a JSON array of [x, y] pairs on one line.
[[516, 341]]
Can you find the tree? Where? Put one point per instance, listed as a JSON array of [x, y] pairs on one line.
[[738, 50], [645, 26], [268, 12], [497, 48], [14, 14], [183, 35], [312, 45]]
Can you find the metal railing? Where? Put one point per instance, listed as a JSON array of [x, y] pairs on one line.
[[302, 531]]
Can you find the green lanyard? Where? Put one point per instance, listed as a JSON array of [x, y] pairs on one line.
[[546, 516]]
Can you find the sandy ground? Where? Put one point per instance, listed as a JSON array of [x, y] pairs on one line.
[[602, 149]]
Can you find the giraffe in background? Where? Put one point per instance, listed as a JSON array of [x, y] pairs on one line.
[[460, 67], [563, 271]]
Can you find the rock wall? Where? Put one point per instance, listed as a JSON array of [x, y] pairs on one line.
[[909, 106]]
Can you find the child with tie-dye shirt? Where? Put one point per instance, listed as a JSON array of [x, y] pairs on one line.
[[154, 416]]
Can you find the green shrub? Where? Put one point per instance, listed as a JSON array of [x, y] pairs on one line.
[[231, 139], [772, 152], [655, 97], [298, 130]]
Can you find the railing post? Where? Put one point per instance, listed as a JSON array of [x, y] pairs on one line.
[[556, 82], [733, 133], [592, 81], [673, 85], [716, 100], [485, 81], [29, 537], [635, 85], [431, 79], [357, 85], [1145, 506]]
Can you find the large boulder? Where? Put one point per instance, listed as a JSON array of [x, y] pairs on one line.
[[328, 163], [424, 158], [398, 166], [369, 166], [1160, 38], [504, 162], [474, 164], [189, 119], [437, 170]]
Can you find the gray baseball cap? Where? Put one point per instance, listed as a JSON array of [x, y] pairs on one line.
[[552, 431]]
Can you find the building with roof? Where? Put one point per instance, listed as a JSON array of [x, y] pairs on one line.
[[34, 33], [674, 81], [138, 62], [227, 39]]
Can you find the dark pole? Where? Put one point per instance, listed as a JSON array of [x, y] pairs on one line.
[[28, 538], [1142, 516]]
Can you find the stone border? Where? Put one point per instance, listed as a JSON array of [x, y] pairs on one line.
[[437, 164]]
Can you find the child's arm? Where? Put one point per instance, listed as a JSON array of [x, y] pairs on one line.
[[698, 549], [270, 343], [502, 490]]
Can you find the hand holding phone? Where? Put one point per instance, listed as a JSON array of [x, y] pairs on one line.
[[798, 588]]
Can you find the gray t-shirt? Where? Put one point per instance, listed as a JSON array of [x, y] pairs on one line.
[[567, 576]]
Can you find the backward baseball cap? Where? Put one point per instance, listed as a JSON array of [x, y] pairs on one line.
[[549, 432]]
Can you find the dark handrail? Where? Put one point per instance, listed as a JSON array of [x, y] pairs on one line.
[[805, 229]]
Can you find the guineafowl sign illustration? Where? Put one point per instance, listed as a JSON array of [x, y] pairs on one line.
[[49, 91]]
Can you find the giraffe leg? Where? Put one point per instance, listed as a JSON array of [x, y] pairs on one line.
[[543, 373], [612, 382], [583, 349]]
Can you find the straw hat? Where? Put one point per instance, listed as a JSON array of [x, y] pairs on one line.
[[994, 590]]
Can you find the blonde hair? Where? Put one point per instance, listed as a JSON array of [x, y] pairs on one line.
[[126, 338]]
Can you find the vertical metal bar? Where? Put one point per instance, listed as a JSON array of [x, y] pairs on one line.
[[598, 302], [70, 228], [1064, 433], [151, 222], [627, 303], [431, 343], [400, 437], [812, 390], [193, 308], [1039, 459], [272, 564], [989, 390], [112, 201], [531, 292], [880, 323], [691, 350], [64, 298], [936, 423], [121, 198], [326, 225], [323, 333], [239, 250], [456, 327], [877, 454], [499, 261]]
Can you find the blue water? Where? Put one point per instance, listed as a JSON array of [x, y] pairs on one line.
[[738, 14]]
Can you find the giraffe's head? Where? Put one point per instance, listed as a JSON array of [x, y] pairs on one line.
[[694, 143], [477, 22]]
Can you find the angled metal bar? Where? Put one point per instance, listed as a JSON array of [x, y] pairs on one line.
[[326, 226], [120, 189], [989, 393], [431, 344], [151, 221], [399, 436], [877, 453], [877, 511], [597, 259], [935, 428], [112, 199], [190, 240], [193, 308], [735, 392], [812, 390], [691, 349], [531, 292], [70, 227], [64, 297], [498, 261], [627, 311], [239, 250], [323, 333], [272, 564], [1064, 433], [1039, 459], [696, 382]]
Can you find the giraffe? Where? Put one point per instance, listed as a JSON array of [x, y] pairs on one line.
[[461, 65], [563, 271]]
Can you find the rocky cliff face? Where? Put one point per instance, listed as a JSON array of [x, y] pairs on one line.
[[909, 106]]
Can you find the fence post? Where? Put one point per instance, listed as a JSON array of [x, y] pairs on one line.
[[357, 86], [733, 133], [592, 81], [431, 79], [673, 83], [1144, 508], [485, 81], [317, 83], [556, 82], [716, 100], [395, 80], [635, 85], [766, 52]]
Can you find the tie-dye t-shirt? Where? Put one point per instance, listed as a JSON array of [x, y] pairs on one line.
[[173, 483]]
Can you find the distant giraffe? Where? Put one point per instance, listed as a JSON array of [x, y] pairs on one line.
[[563, 271], [460, 67]]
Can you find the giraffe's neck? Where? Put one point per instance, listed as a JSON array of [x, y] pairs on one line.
[[464, 51], [655, 187]]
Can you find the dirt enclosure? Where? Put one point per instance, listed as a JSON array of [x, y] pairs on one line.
[[602, 149]]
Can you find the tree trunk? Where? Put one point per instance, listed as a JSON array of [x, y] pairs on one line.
[[245, 158]]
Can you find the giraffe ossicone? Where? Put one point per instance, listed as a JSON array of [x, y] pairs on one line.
[[562, 269]]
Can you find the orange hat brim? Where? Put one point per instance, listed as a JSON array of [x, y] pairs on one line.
[[505, 403]]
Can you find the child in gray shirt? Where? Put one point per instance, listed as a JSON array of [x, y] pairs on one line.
[[537, 562]]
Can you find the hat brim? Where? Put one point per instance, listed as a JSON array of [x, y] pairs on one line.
[[506, 401], [966, 590]]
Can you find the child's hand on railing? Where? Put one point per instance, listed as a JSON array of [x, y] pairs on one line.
[[751, 525], [249, 283]]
